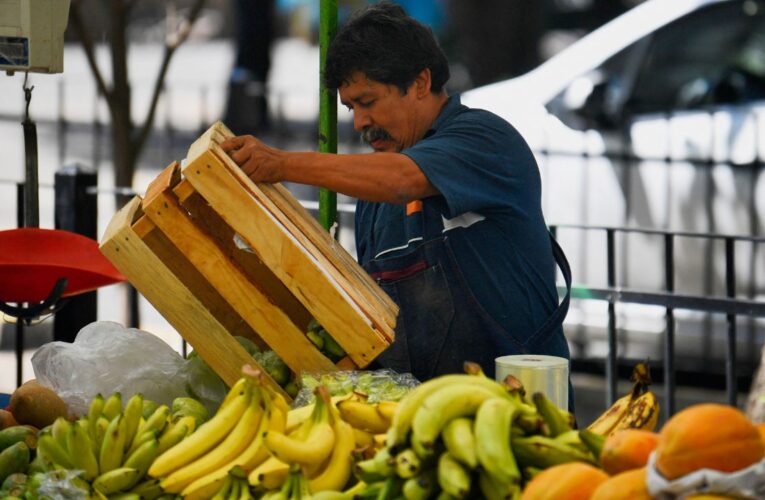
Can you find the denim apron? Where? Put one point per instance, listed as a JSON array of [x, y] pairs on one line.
[[440, 323]]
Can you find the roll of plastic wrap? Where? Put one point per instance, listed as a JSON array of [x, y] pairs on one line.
[[538, 373]]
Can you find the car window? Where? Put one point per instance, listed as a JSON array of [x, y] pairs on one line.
[[715, 55]]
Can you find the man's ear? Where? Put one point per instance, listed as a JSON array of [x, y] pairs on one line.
[[422, 83]]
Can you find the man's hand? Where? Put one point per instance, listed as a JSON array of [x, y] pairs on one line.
[[261, 163]]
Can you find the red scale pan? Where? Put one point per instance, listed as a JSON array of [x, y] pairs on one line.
[[34, 261]]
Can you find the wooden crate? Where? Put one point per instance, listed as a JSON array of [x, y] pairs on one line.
[[218, 255]]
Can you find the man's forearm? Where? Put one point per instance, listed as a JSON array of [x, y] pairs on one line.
[[381, 177]]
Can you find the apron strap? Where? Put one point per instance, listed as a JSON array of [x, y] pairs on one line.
[[556, 318]]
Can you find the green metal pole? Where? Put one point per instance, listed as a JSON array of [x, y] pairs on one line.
[[327, 109]]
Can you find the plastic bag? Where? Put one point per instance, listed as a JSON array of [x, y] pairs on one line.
[[106, 357], [744, 483], [378, 385]]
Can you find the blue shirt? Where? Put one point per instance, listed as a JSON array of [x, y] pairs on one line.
[[490, 204]]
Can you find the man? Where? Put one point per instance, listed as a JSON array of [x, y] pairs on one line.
[[448, 220]]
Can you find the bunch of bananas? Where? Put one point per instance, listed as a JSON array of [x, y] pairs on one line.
[[232, 440], [639, 409], [467, 436], [112, 447]]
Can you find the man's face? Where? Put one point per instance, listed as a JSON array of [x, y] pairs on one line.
[[385, 117]]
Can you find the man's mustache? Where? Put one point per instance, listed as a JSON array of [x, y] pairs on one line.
[[372, 134]]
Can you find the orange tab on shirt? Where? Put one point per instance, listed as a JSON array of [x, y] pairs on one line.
[[413, 207]]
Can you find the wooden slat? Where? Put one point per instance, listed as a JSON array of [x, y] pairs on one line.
[[252, 268], [147, 272], [250, 302], [283, 254], [280, 202]]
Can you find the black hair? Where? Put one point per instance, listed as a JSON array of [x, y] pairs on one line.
[[386, 45]]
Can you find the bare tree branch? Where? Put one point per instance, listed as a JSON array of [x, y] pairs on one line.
[[173, 41], [90, 53]]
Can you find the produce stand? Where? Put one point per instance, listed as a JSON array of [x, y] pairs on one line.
[[218, 256]]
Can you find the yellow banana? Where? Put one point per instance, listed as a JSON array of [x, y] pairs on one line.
[[269, 475], [95, 409], [115, 480], [362, 438], [409, 404], [190, 422], [338, 469], [251, 457], [232, 446], [112, 406], [142, 458], [112, 448], [387, 409], [452, 476], [376, 469], [493, 422], [606, 422], [238, 386], [315, 447], [363, 416], [81, 452], [459, 440], [439, 408], [205, 438], [643, 413], [132, 415]]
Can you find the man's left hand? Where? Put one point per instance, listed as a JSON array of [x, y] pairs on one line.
[[259, 162]]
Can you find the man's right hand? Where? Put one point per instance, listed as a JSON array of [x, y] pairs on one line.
[[259, 162]]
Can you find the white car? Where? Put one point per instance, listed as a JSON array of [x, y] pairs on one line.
[[657, 121]]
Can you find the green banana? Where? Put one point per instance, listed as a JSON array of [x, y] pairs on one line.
[[52, 453], [112, 406], [157, 420], [391, 488], [408, 464], [142, 458], [172, 435], [112, 449], [377, 468], [441, 407], [453, 478], [331, 346], [148, 490], [149, 407], [543, 452], [571, 438], [125, 496], [141, 439], [81, 452], [59, 429], [317, 339], [235, 490], [185, 406], [420, 487], [116, 480], [132, 414], [555, 421], [493, 490], [460, 441], [593, 441], [410, 404], [222, 493], [492, 430]]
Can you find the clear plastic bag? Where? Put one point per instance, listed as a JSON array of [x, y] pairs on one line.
[[378, 385], [107, 357]]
